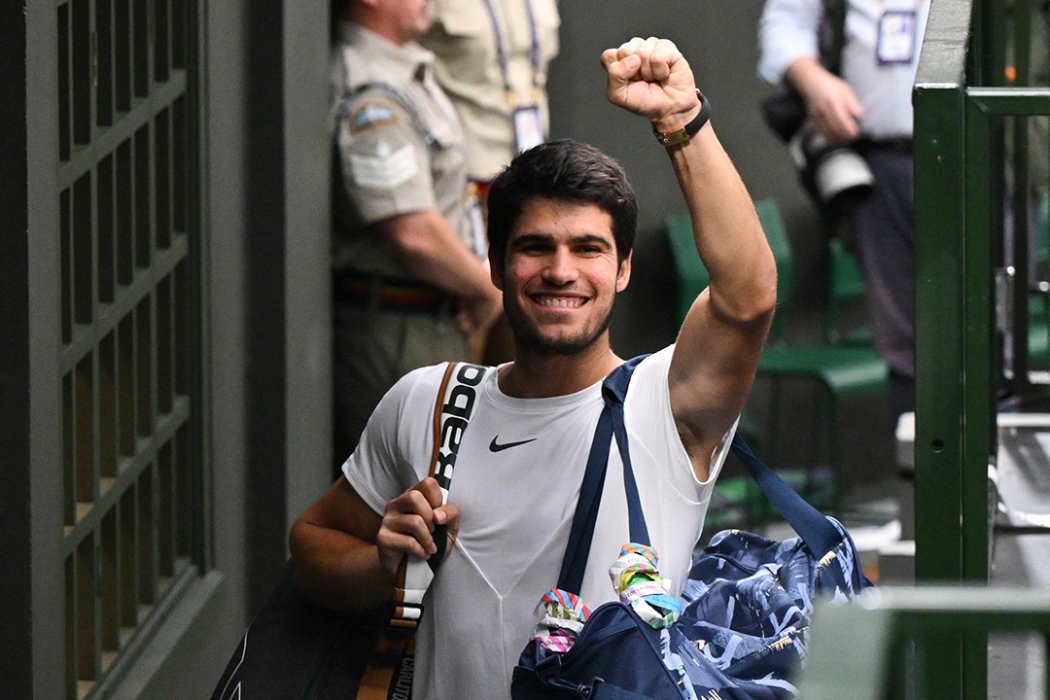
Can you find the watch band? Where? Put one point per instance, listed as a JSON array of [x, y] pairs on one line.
[[670, 138]]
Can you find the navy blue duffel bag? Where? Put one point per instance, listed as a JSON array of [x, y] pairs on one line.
[[745, 608]]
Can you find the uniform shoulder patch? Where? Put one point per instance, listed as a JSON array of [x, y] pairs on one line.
[[370, 115]]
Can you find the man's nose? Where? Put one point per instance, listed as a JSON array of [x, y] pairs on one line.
[[560, 268]]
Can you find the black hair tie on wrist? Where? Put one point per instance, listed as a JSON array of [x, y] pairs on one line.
[[670, 138]]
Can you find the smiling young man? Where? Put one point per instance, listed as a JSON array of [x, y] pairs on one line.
[[561, 228]]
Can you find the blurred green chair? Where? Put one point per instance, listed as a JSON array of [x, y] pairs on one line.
[[845, 285], [843, 371]]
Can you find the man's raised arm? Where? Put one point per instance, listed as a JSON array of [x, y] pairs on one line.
[[718, 346]]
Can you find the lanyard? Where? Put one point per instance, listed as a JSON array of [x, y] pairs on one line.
[[503, 55]]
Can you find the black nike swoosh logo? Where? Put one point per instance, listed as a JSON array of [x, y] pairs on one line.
[[496, 447]]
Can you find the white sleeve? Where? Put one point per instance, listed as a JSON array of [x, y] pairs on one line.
[[393, 453], [787, 31], [648, 409]]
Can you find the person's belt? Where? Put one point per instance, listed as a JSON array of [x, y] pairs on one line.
[[388, 294]]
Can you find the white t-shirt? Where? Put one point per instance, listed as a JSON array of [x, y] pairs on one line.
[[516, 506]]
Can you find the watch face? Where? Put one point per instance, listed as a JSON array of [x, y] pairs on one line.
[[670, 138]]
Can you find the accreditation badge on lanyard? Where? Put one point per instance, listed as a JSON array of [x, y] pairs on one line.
[[896, 38], [528, 129], [477, 230]]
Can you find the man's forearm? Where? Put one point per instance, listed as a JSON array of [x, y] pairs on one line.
[[727, 232], [806, 74], [338, 570], [433, 252]]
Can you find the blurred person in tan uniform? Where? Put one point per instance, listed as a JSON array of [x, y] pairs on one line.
[[492, 59], [409, 278]]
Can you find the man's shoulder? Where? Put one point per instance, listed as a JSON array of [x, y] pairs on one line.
[[429, 379], [655, 361], [421, 378], [649, 380], [371, 110]]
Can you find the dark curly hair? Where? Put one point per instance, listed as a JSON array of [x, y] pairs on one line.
[[567, 171]]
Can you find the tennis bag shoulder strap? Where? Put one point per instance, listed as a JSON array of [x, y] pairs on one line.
[[295, 649], [456, 399], [816, 531], [390, 669]]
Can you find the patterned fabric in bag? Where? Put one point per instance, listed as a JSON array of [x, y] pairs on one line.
[[747, 606]]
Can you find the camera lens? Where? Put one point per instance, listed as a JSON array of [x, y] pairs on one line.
[[834, 171]]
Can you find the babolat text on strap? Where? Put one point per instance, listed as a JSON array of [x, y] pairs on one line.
[[456, 400]]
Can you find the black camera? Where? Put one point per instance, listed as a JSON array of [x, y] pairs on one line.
[[834, 173]]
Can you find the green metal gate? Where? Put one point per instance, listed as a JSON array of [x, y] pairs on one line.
[[131, 355], [972, 106]]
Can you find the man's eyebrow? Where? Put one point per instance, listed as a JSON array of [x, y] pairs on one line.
[[531, 238], [536, 237]]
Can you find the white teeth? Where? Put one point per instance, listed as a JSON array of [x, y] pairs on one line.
[[561, 303]]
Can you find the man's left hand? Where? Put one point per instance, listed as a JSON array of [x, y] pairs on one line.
[[651, 77]]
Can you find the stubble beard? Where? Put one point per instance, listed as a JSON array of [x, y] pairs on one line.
[[528, 338]]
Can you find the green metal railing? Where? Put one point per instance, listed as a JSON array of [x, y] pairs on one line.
[[973, 107], [885, 645]]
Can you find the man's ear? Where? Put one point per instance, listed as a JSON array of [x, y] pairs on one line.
[[623, 275], [496, 270]]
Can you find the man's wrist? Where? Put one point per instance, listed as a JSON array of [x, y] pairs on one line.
[[683, 134]]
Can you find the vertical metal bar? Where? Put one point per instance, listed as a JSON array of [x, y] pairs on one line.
[[1018, 239], [163, 347], [146, 537], [165, 513], [87, 640], [126, 385], [71, 631], [65, 214], [81, 71], [69, 490], [140, 38], [125, 226], [84, 432], [143, 198], [106, 221], [145, 414], [122, 61], [82, 251], [940, 269], [65, 129], [104, 52], [979, 389], [128, 564], [162, 178], [162, 37], [109, 602], [179, 40], [939, 264], [107, 410], [180, 152], [185, 488], [192, 445]]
